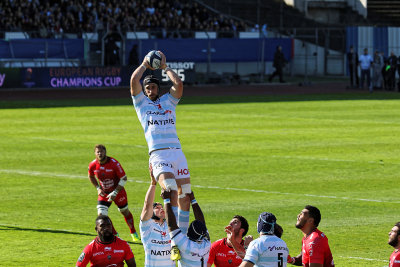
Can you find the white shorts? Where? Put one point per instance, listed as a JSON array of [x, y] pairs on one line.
[[169, 160]]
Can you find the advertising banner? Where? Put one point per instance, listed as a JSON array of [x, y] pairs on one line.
[[84, 77]]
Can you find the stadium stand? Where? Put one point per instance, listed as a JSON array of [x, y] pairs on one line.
[[384, 12]]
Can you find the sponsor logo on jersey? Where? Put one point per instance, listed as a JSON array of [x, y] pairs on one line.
[[160, 242], [81, 257], [107, 249], [119, 251], [160, 252], [160, 122], [98, 253], [163, 164], [159, 113], [183, 172], [163, 234], [277, 248]]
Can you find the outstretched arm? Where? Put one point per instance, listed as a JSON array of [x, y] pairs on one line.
[[177, 84], [171, 220], [136, 87], [147, 211], [198, 214]]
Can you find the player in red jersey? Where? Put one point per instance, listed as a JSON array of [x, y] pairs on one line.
[[315, 250], [106, 249], [394, 241], [112, 178], [222, 253]]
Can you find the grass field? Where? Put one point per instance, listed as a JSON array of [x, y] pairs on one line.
[[246, 156]]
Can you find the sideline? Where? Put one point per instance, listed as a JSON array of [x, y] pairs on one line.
[[48, 174]]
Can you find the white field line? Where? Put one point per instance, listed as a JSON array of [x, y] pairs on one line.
[[330, 159], [80, 232], [48, 174], [74, 141], [364, 259]]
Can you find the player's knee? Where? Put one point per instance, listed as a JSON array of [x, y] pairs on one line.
[[170, 184], [102, 210]]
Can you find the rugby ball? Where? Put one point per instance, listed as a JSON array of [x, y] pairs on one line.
[[154, 59]]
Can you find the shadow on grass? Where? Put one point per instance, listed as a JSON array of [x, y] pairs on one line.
[[202, 100], [17, 228]]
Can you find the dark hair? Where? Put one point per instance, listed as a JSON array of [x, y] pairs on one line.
[[398, 226], [103, 217], [243, 223], [278, 230], [100, 146], [314, 213]]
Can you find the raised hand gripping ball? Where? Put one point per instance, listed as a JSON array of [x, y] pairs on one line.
[[154, 59]]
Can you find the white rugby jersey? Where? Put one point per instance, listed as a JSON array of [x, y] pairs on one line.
[[193, 254], [156, 243], [158, 120], [267, 251]]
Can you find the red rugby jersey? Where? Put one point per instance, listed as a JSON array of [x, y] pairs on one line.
[[316, 250], [108, 173], [105, 254], [222, 255], [395, 259]]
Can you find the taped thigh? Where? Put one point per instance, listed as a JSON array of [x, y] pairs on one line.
[[170, 184], [186, 189]]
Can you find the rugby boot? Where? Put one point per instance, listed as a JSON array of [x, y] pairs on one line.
[[175, 253]]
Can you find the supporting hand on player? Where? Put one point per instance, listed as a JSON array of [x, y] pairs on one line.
[[153, 180], [165, 194]]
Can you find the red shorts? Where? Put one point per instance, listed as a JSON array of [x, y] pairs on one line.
[[121, 200]]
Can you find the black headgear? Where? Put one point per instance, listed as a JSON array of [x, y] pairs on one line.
[[266, 223], [197, 231], [154, 217], [151, 79]]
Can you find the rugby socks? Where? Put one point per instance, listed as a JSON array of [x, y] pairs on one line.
[[129, 222], [183, 220]]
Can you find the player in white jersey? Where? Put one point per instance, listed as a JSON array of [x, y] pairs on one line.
[[154, 231], [268, 250], [195, 246], [157, 116]]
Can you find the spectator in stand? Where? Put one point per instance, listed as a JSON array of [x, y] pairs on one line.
[[392, 60], [366, 61], [75, 16], [352, 60], [377, 71]]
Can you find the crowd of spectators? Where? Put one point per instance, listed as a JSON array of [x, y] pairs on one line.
[[169, 18]]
